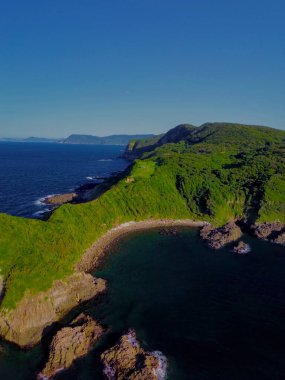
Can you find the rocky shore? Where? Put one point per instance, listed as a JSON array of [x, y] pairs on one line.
[[70, 344], [217, 238], [128, 360], [85, 192], [60, 199], [26, 324], [273, 232]]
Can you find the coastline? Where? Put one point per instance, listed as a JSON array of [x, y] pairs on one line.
[[51, 306], [93, 256]]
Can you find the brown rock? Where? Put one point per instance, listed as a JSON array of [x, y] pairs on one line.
[[128, 360], [273, 232], [25, 324], [242, 248], [280, 239], [219, 237], [60, 199], [70, 344]]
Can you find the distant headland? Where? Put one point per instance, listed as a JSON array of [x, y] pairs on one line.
[[82, 139]]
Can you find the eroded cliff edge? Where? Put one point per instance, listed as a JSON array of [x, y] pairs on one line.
[[26, 324]]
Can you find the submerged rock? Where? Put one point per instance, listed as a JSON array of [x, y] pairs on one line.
[[169, 231], [26, 324], [70, 344], [219, 237], [273, 232], [127, 360], [242, 248]]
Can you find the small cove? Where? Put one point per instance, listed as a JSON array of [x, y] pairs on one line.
[[214, 314]]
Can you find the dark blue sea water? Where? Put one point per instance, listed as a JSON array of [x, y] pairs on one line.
[[31, 171]]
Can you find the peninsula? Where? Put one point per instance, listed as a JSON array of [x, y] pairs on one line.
[[215, 173]]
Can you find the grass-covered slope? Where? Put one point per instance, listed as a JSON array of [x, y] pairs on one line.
[[215, 172], [136, 148]]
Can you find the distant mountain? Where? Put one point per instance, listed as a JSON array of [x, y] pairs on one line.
[[106, 140], [31, 140], [42, 139]]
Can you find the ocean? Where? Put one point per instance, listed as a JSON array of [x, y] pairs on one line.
[[30, 172]]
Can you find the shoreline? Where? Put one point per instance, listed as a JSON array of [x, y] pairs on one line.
[[92, 257]]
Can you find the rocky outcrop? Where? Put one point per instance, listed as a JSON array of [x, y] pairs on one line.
[[70, 344], [273, 232], [26, 324], [242, 248], [280, 239], [128, 360], [60, 199], [219, 237]]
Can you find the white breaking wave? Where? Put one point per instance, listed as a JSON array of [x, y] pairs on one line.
[[41, 212], [161, 371], [41, 201]]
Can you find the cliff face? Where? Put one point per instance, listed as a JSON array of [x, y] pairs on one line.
[[25, 324]]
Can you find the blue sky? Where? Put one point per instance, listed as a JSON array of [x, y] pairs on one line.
[[139, 66]]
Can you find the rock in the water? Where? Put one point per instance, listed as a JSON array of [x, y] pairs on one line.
[[242, 248], [71, 343], [280, 239], [219, 237], [26, 324], [128, 360], [169, 231], [273, 232]]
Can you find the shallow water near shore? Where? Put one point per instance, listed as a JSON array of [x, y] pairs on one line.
[[214, 314]]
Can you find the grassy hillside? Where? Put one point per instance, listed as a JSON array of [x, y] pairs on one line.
[[215, 172], [136, 148]]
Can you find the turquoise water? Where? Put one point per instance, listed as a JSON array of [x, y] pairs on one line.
[[214, 314]]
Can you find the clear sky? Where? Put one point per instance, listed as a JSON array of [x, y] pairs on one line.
[[139, 66]]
